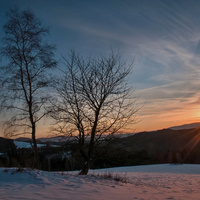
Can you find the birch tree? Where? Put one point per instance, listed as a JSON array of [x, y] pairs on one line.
[[24, 77]]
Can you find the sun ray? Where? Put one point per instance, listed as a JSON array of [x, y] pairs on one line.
[[192, 143]]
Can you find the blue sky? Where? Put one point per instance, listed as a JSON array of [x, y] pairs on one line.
[[161, 36]]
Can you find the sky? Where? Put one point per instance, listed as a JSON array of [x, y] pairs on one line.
[[162, 37]]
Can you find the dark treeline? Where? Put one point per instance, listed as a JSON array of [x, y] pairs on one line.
[[158, 147]]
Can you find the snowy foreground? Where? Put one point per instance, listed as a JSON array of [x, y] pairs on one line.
[[144, 182]]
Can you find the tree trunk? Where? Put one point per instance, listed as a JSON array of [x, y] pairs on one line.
[[85, 169], [36, 160], [86, 166]]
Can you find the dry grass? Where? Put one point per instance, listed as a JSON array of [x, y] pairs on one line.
[[122, 178]]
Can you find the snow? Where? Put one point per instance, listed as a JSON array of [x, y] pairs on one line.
[[20, 144], [164, 168], [144, 182]]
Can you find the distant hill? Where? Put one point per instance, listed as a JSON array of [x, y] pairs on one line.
[[179, 144], [167, 145], [162, 146], [186, 126], [60, 139], [23, 139]]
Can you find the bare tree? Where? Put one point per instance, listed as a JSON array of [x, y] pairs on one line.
[[93, 101], [24, 79]]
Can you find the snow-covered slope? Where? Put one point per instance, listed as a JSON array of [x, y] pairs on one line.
[[164, 168], [20, 144], [145, 182]]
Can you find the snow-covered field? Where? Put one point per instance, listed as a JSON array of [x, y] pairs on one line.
[[144, 182]]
